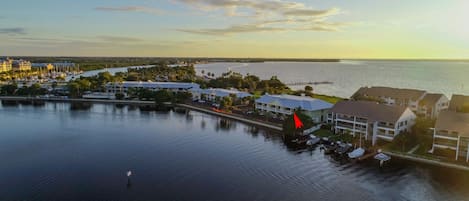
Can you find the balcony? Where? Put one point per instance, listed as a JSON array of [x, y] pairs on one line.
[[385, 134]]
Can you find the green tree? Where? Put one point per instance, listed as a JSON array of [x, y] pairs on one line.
[[163, 96], [9, 89], [226, 103], [309, 89], [289, 128]]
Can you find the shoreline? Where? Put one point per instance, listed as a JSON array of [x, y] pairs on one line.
[[133, 102], [434, 162], [408, 157]]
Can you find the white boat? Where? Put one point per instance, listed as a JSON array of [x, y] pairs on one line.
[[357, 153], [314, 140], [382, 157]]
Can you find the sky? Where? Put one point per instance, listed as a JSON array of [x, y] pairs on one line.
[[376, 29]]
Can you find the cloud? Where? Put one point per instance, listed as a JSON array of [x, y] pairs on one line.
[[13, 31], [259, 8], [266, 16], [246, 28], [119, 39], [141, 9]]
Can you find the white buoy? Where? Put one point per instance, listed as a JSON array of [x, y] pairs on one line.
[[129, 173]]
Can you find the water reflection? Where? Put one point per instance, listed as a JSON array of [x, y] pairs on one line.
[[179, 159], [78, 106]]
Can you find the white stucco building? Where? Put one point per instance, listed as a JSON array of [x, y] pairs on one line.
[[123, 87], [212, 94], [286, 105]]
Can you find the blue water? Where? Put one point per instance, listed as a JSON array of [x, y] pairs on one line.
[[447, 77], [54, 152]]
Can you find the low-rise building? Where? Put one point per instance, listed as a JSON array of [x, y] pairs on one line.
[[432, 104], [21, 65], [123, 87], [451, 134], [42, 66], [5, 65], [286, 105], [214, 94], [391, 96], [374, 121], [459, 103]]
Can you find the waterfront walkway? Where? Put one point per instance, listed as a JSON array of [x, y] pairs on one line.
[[232, 116], [426, 160]]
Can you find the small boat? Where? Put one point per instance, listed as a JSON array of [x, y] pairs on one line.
[[330, 148], [313, 141], [357, 153], [343, 148], [382, 158]]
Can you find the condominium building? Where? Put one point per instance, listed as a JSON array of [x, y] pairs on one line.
[[21, 65], [42, 66], [451, 134], [286, 105], [419, 101], [214, 94], [5, 65], [372, 120], [459, 103], [123, 87], [432, 104]]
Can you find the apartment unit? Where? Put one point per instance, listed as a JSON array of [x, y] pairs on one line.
[[123, 87], [451, 134], [42, 66], [459, 103], [372, 120], [286, 104], [418, 101], [432, 104], [214, 94], [5, 65], [20, 65]]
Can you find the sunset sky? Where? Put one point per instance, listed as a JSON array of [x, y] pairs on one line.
[[236, 28]]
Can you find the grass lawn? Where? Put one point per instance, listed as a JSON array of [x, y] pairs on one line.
[[332, 136], [330, 99]]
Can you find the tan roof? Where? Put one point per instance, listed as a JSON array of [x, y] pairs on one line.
[[370, 110], [431, 99], [453, 121], [457, 102], [395, 93]]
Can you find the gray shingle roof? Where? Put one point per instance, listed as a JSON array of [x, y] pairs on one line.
[[453, 121], [457, 102], [395, 93], [431, 99], [370, 110]]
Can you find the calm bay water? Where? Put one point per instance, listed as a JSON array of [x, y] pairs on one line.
[[445, 77], [52, 152]]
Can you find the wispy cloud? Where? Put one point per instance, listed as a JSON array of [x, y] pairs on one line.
[[141, 9], [266, 16], [119, 39], [246, 28], [13, 31]]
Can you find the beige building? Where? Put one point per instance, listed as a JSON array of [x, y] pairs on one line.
[[21, 65], [432, 104], [419, 101], [451, 134], [5, 65], [459, 103], [372, 120]]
